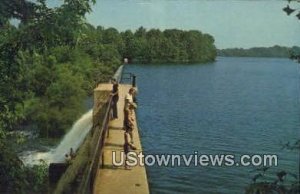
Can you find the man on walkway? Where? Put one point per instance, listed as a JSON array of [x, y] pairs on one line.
[[129, 107], [127, 147], [129, 121], [115, 99], [129, 98]]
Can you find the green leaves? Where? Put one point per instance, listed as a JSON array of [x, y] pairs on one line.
[[153, 46], [171, 46], [19, 9], [80, 7], [45, 75], [288, 10], [274, 51]]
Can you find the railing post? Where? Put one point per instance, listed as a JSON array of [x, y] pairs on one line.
[[133, 80]]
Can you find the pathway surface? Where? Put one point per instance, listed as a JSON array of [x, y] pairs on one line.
[[115, 180]]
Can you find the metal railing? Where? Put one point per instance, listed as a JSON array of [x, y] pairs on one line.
[[97, 156], [80, 174], [129, 78], [122, 77], [96, 160]]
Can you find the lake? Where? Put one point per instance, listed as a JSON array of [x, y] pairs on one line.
[[232, 106]]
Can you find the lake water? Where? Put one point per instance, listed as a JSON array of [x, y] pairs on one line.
[[233, 106]]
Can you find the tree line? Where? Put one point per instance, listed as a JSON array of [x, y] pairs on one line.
[[153, 46], [275, 51]]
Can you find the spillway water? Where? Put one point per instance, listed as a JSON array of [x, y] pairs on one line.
[[72, 139]]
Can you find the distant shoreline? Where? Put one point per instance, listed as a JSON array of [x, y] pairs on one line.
[[267, 52], [172, 62]]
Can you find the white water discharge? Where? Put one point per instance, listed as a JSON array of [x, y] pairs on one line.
[[72, 139]]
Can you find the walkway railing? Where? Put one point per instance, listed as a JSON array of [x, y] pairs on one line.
[[122, 77], [80, 175], [96, 160], [128, 78]]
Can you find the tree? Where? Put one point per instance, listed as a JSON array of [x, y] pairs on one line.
[[289, 10], [22, 10], [112, 37], [26, 78]]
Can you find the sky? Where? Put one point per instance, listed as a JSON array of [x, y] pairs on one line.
[[233, 23]]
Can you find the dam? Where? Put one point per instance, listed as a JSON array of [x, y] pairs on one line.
[[92, 170], [111, 179]]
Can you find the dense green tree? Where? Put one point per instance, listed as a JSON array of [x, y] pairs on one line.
[[36, 77], [112, 37], [19, 9], [130, 44], [169, 46]]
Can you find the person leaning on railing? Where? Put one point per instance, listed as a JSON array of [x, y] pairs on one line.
[[115, 99]]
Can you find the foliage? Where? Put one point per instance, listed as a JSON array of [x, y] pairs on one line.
[[46, 71], [44, 77], [281, 182], [275, 51], [17, 178], [11, 170], [290, 8], [295, 53], [153, 46], [37, 177], [169, 46]]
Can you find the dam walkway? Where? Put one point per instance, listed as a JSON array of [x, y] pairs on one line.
[[111, 179]]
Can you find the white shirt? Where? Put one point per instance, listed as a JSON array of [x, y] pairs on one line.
[[129, 98]]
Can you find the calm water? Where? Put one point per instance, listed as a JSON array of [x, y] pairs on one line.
[[233, 106]]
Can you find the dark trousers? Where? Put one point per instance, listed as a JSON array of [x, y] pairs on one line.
[[114, 109]]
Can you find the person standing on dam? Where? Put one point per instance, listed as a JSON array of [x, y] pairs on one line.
[[127, 147], [129, 121], [115, 99], [128, 102], [129, 98]]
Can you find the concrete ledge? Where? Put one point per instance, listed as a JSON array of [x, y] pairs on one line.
[[111, 179]]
